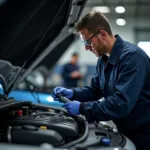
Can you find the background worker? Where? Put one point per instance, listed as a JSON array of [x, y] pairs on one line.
[[71, 72]]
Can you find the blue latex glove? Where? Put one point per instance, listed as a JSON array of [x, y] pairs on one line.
[[72, 107], [68, 93]]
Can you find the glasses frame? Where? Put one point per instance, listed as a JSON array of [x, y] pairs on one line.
[[87, 42]]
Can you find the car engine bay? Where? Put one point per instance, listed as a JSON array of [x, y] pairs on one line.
[[34, 124]]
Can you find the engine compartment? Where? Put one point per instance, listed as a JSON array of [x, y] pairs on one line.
[[34, 124], [38, 123]]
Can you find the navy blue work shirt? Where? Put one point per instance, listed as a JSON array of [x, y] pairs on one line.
[[69, 82], [123, 80]]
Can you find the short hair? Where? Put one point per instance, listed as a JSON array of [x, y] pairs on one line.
[[93, 22], [75, 54]]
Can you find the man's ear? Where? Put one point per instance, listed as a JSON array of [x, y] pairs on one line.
[[103, 34]]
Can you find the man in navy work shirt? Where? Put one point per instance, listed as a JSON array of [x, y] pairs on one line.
[[120, 89], [70, 72]]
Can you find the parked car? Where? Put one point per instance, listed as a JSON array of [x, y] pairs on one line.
[[33, 33]]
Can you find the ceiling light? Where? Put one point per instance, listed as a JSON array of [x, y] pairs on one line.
[[120, 9], [120, 22], [102, 9]]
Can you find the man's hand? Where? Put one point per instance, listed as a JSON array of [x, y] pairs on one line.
[[76, 74], [72, 107], [68, 93]]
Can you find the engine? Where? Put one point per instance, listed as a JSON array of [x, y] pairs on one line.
[[34, 124]]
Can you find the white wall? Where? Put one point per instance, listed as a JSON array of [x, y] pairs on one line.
[[127, 31]]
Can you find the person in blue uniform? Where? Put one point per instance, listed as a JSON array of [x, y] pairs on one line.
[[120, 89], [71, 72]]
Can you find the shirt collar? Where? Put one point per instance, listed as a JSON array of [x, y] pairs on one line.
[[116, 50]]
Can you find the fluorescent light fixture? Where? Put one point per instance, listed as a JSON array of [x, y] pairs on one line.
[[102, 9], [120, 9], [120, 22], [145, 45]]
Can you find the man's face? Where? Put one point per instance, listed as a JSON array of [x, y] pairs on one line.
[[74, 59], [96, 43]]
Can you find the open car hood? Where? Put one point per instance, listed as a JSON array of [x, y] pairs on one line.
[[33, 32]]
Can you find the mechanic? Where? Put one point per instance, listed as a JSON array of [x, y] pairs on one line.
[[71, 72], [120, 89]]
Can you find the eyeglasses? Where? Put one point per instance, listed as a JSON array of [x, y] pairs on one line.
[[88, 41]]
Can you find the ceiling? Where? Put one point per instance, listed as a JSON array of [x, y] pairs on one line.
[[136, 9]]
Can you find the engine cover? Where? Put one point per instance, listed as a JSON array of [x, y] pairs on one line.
[[66, 126]]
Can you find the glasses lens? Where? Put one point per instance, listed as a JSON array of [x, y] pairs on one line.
[[87, 43]]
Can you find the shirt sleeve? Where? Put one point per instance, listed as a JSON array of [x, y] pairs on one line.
[[89, 93], [130, 82]]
